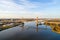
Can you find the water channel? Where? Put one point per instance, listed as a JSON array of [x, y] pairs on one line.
[[29, 31]]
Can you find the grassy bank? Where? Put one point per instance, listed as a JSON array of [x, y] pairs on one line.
[[10, 26]]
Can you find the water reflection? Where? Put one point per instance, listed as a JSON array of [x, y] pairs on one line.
[[36, 28], [55, 28], [22, 28], [30, 31], [41, 27]]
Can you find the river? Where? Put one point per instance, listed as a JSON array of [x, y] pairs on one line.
[[29, 32]]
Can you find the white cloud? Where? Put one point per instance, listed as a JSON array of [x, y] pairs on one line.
[[10, 9]]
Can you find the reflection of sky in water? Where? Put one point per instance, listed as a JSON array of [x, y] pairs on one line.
[[29, 32]]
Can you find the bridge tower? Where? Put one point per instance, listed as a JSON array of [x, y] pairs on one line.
[[36, 20]]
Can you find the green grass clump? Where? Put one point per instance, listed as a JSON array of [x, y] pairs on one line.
[[6, 27]]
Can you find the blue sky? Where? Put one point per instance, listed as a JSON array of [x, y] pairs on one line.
[[29, 8]]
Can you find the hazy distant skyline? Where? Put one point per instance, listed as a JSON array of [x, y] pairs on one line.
[[29, 8]]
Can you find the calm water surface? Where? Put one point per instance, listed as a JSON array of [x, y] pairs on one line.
[[29, 32]]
